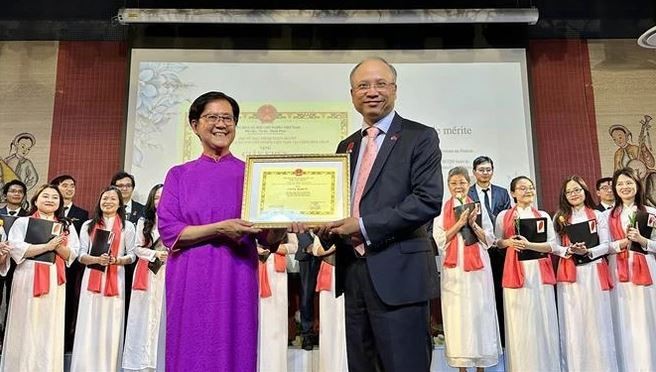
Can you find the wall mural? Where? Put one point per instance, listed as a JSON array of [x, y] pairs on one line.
[[17, 164]]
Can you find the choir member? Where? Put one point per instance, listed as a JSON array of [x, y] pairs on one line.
[[632, 266], [332, 322], [145, 333], [584, 284], [98, 341], [272, 325], [34, 338], [468, 307], [528, 278]]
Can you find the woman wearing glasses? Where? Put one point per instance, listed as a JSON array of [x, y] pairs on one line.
[[528, 279], [468, 307], [211, 274], [633, 268], [34, 332], [584, 282], [98, 344]]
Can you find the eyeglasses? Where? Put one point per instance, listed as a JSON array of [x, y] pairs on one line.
[[605, 187], [456, 184], [123, 186], [577, 190], [525, 189], [214, 118], [379, 86], [484, 170]]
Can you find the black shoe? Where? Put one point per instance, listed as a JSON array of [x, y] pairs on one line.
[[308, 343]]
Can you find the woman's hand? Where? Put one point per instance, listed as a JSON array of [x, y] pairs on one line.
[[472, 217], [4, 249], [55, 242], [519, 242], [162, 255], [236, 228], [104, 259], [464, 217], [634, 235], [579, 249]]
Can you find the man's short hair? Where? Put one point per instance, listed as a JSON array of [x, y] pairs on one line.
[[59, 179], [120, 175], [5, 188], [482, 159], [603, 180]]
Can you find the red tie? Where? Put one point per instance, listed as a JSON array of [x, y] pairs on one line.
[[363, 174]]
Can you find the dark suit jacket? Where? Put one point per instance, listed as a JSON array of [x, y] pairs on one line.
[[21, 212], [136, 212], [500, 199], [600, 207], [78, 216], [402, 194]]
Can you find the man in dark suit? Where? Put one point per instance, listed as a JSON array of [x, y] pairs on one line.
[[67, 186], [385, 265], [133, 211], [493, 199], [605, 194], [14, 193]]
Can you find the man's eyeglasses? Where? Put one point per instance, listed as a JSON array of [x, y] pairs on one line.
[[123, 186], [379, 86], [213, 119], [484, 170]]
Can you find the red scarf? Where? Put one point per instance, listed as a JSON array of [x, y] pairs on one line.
[[111, 273], [567, 267], [141, 276], [513, 271], [641, 275], [325, 277], [472, 259], [41, 284], [279, 265]]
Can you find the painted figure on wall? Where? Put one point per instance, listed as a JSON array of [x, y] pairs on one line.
[[639, 157], [18, 161]]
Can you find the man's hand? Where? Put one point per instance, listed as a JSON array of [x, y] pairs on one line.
[[349, 226]]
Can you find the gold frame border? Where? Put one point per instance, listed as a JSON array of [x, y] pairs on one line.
[[251, 159]]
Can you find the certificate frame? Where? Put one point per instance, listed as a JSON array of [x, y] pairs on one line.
[[281, 189]]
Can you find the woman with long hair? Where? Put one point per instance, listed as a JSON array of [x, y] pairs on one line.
[[633, 268], [34, 333], [98, 344], [469, 310], [584, 282], [528, 278], [144, 336]]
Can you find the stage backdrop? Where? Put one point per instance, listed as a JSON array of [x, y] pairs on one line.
[[299, 102]]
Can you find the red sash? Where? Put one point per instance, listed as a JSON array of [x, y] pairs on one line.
[[472, 259], [279, 265], [641, 275], [111, 273], [566, 266], [325, 277], [513, 271], [141, 275], [41, 284]]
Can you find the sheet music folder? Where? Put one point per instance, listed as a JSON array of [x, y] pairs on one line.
[[102, 240]]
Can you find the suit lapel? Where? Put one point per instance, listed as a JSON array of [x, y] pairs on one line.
[[473, 194], [353, 149], [386, 148]]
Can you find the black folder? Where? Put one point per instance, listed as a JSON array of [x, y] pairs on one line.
[[154, 266], [642, 223], [466, 231], [102, 240], [583, 232], [7, 221], [535, 231], [40, 231]]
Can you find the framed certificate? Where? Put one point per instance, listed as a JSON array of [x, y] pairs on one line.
[[281, 189]]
